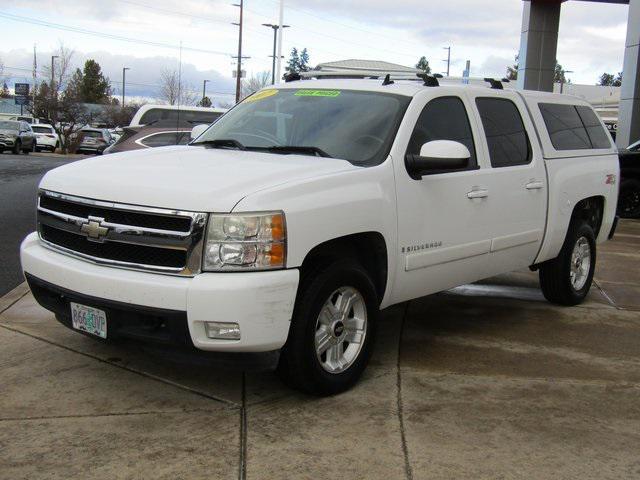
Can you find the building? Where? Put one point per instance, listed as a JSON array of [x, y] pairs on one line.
[[354, 65], [538, 47]]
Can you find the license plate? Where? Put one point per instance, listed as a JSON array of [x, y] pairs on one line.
[[89, 319]]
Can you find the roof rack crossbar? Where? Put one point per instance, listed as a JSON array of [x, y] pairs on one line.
[[497, 84]]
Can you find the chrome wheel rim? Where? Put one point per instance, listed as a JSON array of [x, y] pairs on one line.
[[341, 329], [580, 263]]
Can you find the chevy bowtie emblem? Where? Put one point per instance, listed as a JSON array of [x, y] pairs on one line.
[[94, 230]]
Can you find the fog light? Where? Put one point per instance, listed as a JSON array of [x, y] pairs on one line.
[[222, 330]]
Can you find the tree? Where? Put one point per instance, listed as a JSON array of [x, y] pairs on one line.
[[559, 75], [4, 92], [205, 102], [174, 91], [94, 86], [610, 80], [512, 71], [118, 116], [255, 83], [61, 68], [298, 61], [423, 64]]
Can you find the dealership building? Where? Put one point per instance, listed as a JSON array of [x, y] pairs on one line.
[[538, 47]]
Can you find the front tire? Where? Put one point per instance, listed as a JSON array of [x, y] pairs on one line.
[[332, 330], [566, 279], [16, 148]]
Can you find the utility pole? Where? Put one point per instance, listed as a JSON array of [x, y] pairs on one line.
[[239, 70], [275, 41], [53, 57], [204, 90], [448, 60], [124, 69], [35, 81], [280, 31]]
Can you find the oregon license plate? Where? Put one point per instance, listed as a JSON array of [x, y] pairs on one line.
[[89, 319]]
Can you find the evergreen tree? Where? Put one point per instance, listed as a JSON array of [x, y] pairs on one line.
[[298, 61], [4, 92], [423, 64], [93, 86]]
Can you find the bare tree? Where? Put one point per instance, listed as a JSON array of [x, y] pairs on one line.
[[174, 91], [255, 83], [61, 68]]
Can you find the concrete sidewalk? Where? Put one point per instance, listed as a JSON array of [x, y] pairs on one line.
[[484, 381]]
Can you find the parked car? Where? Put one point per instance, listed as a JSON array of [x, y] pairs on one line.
[[157, 134], [629, 199], [16, 136], [148, 114], [46, 137], [94, 140], [285, 227]]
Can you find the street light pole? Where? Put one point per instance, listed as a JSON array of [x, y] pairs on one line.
[[124, 69], [280, 32], [275, 42], [204, 90], [448, 60]]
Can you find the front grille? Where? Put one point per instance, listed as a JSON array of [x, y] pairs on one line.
[[120, 252], [124, 217], [128, 236]]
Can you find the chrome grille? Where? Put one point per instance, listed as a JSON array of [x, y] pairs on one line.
[[127, 236]]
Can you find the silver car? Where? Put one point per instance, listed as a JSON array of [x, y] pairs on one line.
[[16, 136]]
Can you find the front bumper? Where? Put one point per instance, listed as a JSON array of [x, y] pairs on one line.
[[260, 302], [7, 142]]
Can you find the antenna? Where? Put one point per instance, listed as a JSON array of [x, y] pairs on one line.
[[387, 80]]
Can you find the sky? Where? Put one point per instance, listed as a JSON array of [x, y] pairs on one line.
[[145, 35]]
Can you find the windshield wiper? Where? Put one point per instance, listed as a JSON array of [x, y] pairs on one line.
[[318, 152], [222, 143]]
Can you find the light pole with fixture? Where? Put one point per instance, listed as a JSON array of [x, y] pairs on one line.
[[275, 42]]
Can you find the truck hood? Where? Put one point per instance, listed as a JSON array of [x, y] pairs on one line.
[[185, 177]]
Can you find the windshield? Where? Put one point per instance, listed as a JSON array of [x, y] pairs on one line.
[[38, 129], [8, 125], [352, 125]]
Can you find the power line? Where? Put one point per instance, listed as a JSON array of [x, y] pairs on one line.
[[58, 26]]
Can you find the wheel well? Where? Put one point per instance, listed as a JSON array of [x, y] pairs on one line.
[[368, 248], [590, 210]]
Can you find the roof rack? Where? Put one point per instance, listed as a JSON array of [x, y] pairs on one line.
[[496, 84]]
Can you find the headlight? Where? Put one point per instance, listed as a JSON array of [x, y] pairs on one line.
[[254, 241]]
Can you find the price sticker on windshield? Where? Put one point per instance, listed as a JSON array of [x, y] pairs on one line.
[[317, 93], [262, 95]]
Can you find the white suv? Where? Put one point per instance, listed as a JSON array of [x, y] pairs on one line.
[[46, 137], [289, 223]]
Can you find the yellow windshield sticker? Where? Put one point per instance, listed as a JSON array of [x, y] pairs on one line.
[[262, 95], [317, 93]]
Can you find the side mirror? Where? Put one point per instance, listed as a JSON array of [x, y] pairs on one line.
[[198, 130], [438, 156]]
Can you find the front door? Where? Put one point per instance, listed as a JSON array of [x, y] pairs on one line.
[[444, 225]]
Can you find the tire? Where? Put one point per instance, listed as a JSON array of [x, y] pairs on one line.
[[16, 148], [340, 364], [561, 284], [629, 198]]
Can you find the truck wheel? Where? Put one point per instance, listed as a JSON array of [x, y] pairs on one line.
[[629, 199], [332, 330], [566, 280]]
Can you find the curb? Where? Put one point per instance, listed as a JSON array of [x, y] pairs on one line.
[[13, 296]]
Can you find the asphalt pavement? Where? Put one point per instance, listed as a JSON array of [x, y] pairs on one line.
[[19, 178]]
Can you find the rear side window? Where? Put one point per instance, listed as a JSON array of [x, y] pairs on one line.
[[598, 136], [573, 127], [166, 138], [506, 136], [443, 118]]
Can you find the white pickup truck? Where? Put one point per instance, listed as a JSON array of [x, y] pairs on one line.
[[288, 224]]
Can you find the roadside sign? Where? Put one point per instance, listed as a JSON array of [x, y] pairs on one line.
[[21, 93]]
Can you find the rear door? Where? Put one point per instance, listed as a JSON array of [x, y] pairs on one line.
[[517, 186]]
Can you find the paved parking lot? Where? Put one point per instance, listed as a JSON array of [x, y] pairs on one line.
[[484, 381]]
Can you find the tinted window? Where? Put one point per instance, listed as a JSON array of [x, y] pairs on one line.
[[597, 135], [91, 134], [38, 129], [443, 118], [189, 116], [166, 138], [506, 136], [9, 125], [565, 127]]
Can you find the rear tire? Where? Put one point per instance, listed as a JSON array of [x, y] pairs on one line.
[[566, 279], [332, 330]]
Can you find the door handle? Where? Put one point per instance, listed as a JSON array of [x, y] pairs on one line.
[[534, 185], [477, 194]]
